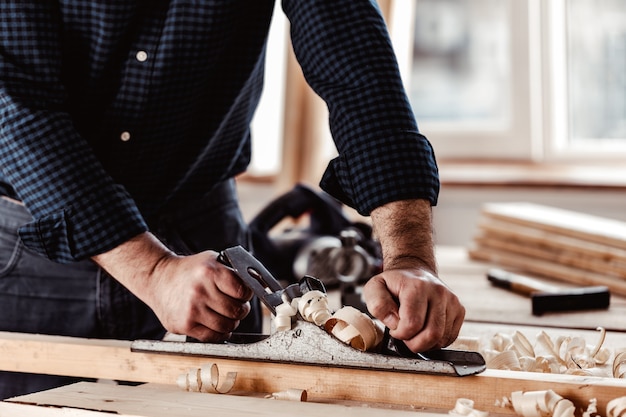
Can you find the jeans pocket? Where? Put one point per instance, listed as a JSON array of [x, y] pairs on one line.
[[10, 249]]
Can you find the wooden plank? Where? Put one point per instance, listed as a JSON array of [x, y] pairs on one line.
[[156, 400], [569, 223], [549, 254], [104, 359], [8, 409], [552, 241], [547, 269]]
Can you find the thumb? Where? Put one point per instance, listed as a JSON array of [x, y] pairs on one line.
[[380, 302]]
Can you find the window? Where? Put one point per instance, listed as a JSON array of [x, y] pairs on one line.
[[539, 80], [267, 124], [588, 77]]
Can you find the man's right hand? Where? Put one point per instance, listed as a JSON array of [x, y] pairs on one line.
[[192, 295]]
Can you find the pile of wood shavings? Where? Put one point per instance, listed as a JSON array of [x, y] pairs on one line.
[[545, 403], [562, 355]]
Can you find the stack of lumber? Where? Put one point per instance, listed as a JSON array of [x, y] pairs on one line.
[[551, 242]]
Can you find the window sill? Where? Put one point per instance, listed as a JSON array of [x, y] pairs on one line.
[[524, 175]]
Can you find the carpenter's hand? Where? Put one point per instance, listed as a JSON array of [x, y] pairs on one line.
[[199, 297], [192, 295], [416, 306]]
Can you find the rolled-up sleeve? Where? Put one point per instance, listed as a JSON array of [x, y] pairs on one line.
[[78, 209], [346, 56]]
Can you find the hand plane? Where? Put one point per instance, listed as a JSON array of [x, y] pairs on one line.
[[306, 343]]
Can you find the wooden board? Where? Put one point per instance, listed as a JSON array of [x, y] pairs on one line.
[[565, 222], [547, 269], [551, 241], [114, 360], [555, 243], [156, 400], [602, 262]]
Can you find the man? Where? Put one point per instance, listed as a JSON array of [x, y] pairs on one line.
[[123, 124]]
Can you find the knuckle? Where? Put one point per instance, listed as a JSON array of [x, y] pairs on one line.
[[242, 292], [377, 307], [226, 326], [238, 311]]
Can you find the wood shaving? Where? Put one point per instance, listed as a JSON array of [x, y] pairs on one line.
[[616, 407], [313, 307], [347, 324], [619, 364], [468, 343], [289, 395], [592, 409], [206, 379], [550, 404], [284, 314], [541, 404], [465, 407], [355, 328], [563, 355]]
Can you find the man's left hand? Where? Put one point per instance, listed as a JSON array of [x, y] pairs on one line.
[[416, 306]]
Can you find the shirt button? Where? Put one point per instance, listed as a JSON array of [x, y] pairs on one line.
[[125, 136], [141, 56]]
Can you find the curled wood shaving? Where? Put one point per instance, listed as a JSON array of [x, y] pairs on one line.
[[522, 345], [465, 407], [619, 364], [467, 343], [549, 404], [347, 324], [616, 407], [541, 404], [313, 307], [206, 379], [504, 360], [284, 313], [289, 395], [592, 408], [355, 328], [566, 355]]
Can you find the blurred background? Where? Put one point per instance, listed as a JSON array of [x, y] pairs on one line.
[[523, 100]]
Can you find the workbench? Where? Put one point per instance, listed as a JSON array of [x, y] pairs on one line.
[[331, 390]]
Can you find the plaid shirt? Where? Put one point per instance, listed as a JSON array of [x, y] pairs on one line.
[[111, 110]]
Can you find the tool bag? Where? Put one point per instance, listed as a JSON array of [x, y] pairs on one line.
[[330, 247]]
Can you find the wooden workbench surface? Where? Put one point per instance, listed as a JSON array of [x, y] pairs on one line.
[[158, 400], [488, 304], [489, 310]]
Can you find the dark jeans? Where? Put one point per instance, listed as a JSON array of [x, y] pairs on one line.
[[82, 300]]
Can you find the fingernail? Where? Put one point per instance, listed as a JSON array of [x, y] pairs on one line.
[[391, 321]]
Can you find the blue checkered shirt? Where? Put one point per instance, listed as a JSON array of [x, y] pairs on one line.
[[112, 110]]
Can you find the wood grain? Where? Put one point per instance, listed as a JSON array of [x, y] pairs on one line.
[[552, 242], [565, 222], [156, 400], [114, 360], [548, 269]]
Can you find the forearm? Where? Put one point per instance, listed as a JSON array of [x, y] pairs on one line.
[[407, 296], [404, 229], [135, 262]]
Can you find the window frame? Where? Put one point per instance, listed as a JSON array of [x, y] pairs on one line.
[[538, 129], [557, 146]]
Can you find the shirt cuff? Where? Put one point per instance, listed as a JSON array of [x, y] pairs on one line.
[[85, 228], [379, 173]]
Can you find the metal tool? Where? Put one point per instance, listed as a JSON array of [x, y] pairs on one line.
[[306, 343], [550, 298], [261, 281]]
